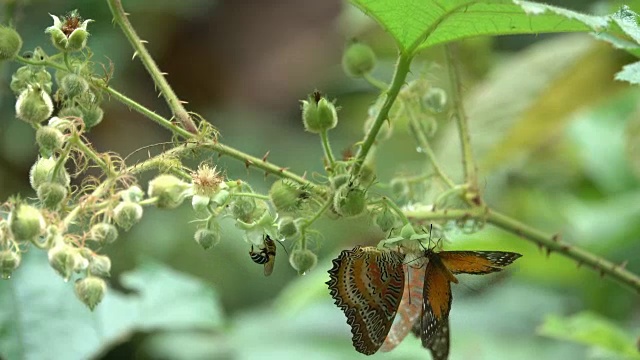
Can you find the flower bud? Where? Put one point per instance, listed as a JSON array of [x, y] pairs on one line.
[[133, 194], [169, 191], [9, 261], [90, 290], [73, 85], [318, 114], [126, 214], [49, 140], [287, 227], [42, 171], [358, 60], [34, 105], [99, 265], [350, 200], [338, 180], [26, 223], [70, 34], [92, 116], [242, 208], [200, 203], [435, 100], [65, 259], [386, 219], [220, 198], [285, 196], [10, 43], [207, 181], [103, 233], [303, 260], [70, 111], [207, 238], [51, 194]]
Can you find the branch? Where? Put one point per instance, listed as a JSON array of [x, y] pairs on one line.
[[179, 112]]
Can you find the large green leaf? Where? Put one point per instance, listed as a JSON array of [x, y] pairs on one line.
[[594, 330], [417, 24], [40, 317]]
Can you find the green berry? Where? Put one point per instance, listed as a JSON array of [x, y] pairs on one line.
[[99, 265], [26, 223], [318, 114], [287, 227], [303, 260], [358, 60], [34, 105], [207, 238], [350, 200], [49, 140], [73, 85], [285, 196], [90, 290], [10, 43], [103, 233], [169, 191], [51, 194], [9, 262], [42, 171], [126, 214]]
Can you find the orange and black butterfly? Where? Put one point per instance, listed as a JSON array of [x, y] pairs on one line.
[[371, 286], [266, 255]]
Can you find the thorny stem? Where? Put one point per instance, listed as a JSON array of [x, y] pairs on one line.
[[179, 112], [468, 163], [88, 151], [399, 76], [550, 242]]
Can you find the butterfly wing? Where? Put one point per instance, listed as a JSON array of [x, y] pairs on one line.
[[439, 345], [367, 284], [437, 301], [409, 310], [476, 262]]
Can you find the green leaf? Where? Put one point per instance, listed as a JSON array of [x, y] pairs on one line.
[[41, 318], [591, 329], [417, 24], [630, 73]]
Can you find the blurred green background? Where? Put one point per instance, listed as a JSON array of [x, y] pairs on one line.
[[555, 136]]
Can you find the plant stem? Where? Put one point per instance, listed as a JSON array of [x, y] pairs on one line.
[[326, 146], [88, 151], [179, 112], [553, 243], [251, 195], [423, 143], [375, 82], [397, 210], [468, 162], [399, 76]]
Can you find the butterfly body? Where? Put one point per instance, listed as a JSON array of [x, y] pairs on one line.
[[266, 256]]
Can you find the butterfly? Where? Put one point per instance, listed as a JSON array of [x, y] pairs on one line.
[[423, 301], [266, 255]]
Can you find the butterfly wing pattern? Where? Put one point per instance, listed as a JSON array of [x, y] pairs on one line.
[[410, 308], [368, 284]]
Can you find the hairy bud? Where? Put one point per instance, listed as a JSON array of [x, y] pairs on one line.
[[318, 113], [207, 238], [358, 60], [42, 171], [49, 140], [350, 200], [34, 105], [9, 262], [303, 260], [169, 190], [103, 233], [90, 290], [10, 43], [26, 223], [126, 214], [51, 194]]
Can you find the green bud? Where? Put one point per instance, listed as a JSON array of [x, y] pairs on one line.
[[73, 111], [220, 198], [338, 180], [34, 105], [26, 223], [133, 194], [358, 60], [386, 219], [242, 208], [103, 233], [318, 114], [287, 227], [77, 40], [70, 33], [10, 43], [200, 203], [207, 238], [90, 290], [92, 116], [30, 75], [51, 194], [285, 196], [99, 265], [42, 171], [350, 200], [49, 140], [126, 214], [303, 260], [65, 259], [435, 100], [73, 85], [169, 191], [9, 262]]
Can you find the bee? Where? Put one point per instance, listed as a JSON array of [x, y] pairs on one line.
[[266, 255]]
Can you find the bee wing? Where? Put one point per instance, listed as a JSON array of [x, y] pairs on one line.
[[268, 266]]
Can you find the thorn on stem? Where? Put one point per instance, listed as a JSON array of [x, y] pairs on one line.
[[555, 237], [264, 158]]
